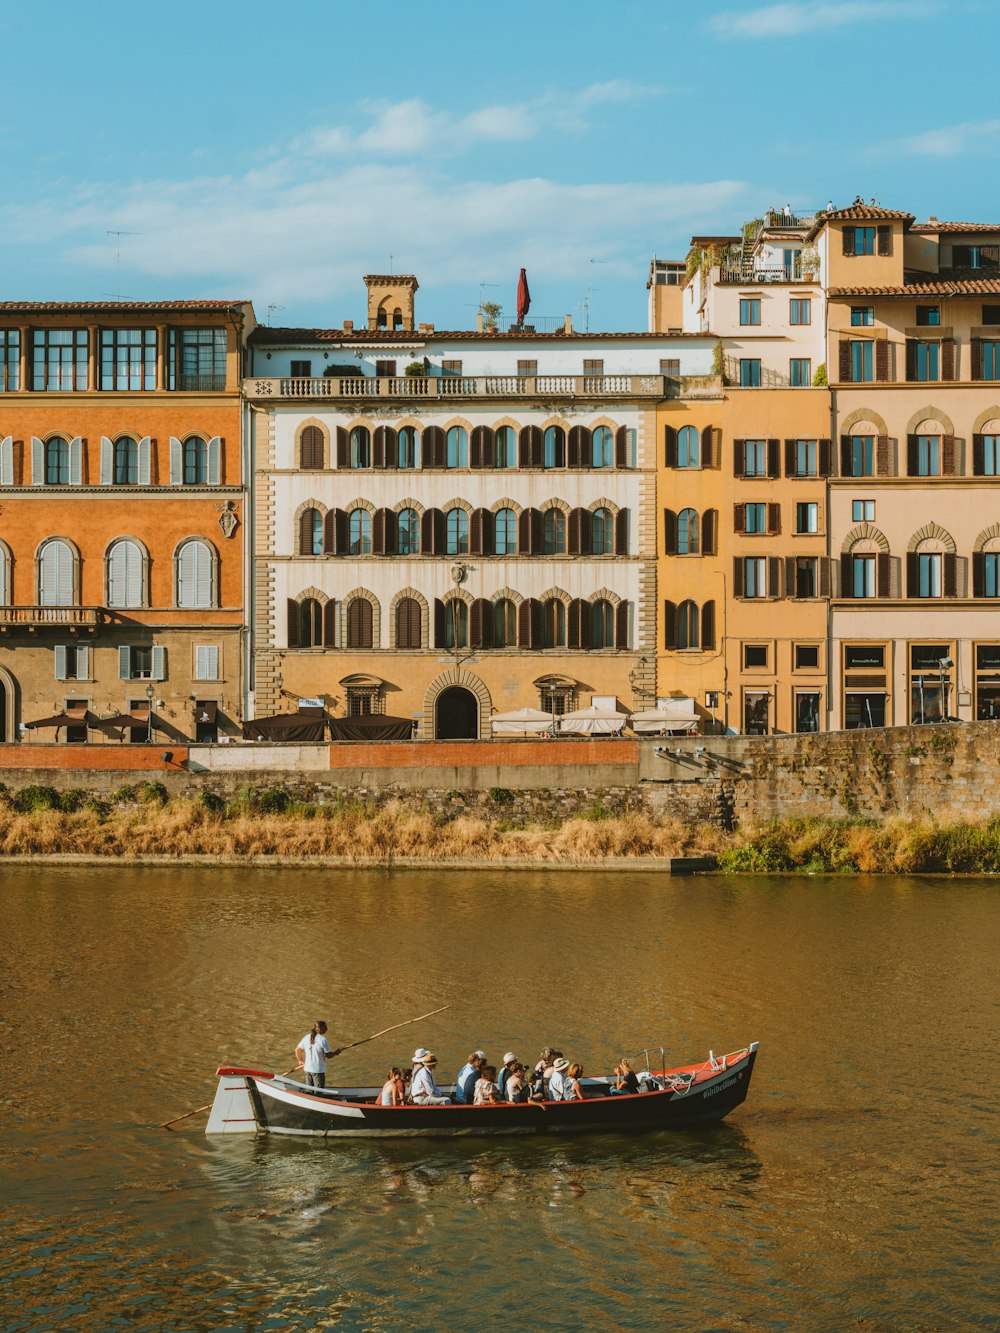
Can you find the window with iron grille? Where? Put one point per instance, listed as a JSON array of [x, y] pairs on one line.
[[364, 700]]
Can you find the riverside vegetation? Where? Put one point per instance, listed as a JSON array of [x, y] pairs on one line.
[[144, 821]]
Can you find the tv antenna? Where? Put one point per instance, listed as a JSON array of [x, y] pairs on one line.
[[118, 257], [271, 309], [591, 289]]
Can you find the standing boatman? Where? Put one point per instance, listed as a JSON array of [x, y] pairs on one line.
[[311, 1054]]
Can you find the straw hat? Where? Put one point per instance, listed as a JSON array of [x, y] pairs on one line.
[[430, 1058], [509, 1057], [561, 1065], [419, 1054]]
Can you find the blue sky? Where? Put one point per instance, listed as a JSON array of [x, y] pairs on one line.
[[282, 158]]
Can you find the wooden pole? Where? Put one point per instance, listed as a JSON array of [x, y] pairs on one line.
[[167, 1123], [395, 1028]]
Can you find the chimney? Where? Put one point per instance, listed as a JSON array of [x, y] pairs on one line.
[[426, 328], [348, 325], [932, 218], [568, 324]]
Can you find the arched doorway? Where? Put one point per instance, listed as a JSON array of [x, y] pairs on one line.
[[8, 707], [3, 712], [456, 715]]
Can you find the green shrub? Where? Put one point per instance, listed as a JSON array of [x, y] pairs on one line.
[[272, 801], [210, 802], [29, 799], [123, 796], [71, 799], [153, 793], [501, 796], [97, 807]]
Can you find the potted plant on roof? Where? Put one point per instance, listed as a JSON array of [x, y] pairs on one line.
[[810, 263], [491, 315]]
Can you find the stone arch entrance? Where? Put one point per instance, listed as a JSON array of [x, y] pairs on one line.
[[456, 715], [8, 708], [460, 722]]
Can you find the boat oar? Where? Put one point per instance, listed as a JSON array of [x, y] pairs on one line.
[[167, 1123], [395, 1028]]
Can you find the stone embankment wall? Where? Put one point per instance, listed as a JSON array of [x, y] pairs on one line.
[[944, 772]]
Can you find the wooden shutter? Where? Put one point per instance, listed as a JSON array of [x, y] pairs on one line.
[[621, 624], [978, 574], [669, 532], [481, 624], [623, 454], [845, 361], [790, 459], [159, 664], [823, 459], [911, 574], [530, 451], [846, 580], [708, 626], [845, 456], [378, 532], [408, 623], [739, 458], [791, 583], [976, 355], [669, 624], [949, 456], [948, 358], [911, 359], [884, 239], [83, 662], [709, 445], [76, 461], [774, 576], [7, 461], [847, 235], [378, 447], [481, 449], [293, 622], [774, 518], [669, 447], [476, 533], [883, 575], [950, 563], [737, 576], [739, 518], [125, 662], [343, 456], [60, 654], [774, 458], [581, 451], [912, 456], [581, 520], [577, 611], [107, 461], [330, 624], [439, 635], [978, 456], [335, 532], [37, 461], [306, 532], [824, 576], [529, 529], [621, 532], [311, 448], [146, 461], [709, 529], [881, 360], [432, 447], [882, 456], [529, 623], [215, 461]]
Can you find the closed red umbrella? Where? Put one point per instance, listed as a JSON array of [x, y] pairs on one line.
[[523, 297]]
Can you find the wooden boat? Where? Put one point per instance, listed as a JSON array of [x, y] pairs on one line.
[[251, 1101]]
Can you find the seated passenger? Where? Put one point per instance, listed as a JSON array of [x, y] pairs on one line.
[[625, 1079], [556, 1084], [572, 1092], [515, 1089], [546, 1060], [393, 1090], [486, 1088], [537, 1092], [509, 1061], [467, 1076], [424, 1090]]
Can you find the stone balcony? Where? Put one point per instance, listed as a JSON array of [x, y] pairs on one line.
[[51, 617], [420, 388]]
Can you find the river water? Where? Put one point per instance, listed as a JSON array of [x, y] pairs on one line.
[[858, 1186]]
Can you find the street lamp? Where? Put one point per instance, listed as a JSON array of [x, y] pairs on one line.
[[920, 687], [149, 714], [552, 707], [944, 665]]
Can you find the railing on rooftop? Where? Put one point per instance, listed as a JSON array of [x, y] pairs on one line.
[[59, 616], [731, 271], [458, 386]]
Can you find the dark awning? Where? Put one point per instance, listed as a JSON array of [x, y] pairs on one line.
[[121, 720], [73, 717], [306, 727], [207, 713], [374, 727]]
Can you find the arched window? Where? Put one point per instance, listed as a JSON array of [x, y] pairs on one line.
[[688, 542], [408, 532], [195, 565], [195, 461], [125, 575], [409, 626], [359, 533], [311, 448], [456, 624], [554, 532], [457, 532], [359, 623], [310, 623], [602, 633], [505, 532], [688, 447], [505, 447], [604, 447], [554, 447], [602, 528], [126, 462], [504, 624], [56, 574], [457, 447], [688, 626], [409, 447], [361, 447], [310, 532], [57, 462], [553, 623]]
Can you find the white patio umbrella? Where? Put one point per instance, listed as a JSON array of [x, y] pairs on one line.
[[654, 721], [521, 722], [592, 722]]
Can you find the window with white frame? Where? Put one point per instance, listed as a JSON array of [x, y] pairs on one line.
[[206, 661]]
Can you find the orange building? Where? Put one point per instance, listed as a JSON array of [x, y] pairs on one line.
[[121, 520]]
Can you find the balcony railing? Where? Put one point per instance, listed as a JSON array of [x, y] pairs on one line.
[[733, 273], [201, 383], [59, 617], [459, 386]]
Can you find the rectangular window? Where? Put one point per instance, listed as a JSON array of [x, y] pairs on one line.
[[975, 256], [526, 368], [140, 663], [928, 455], [806, 711], [927, 361], [128, 359], [670, 367], [929, 315], [991, 455], [10, 360], [301, 369], [862, 316], [755, 576], [196, 360], [862, 455], [72, 662], [991, 574], [806, 576], [800, 311], [800, 372], [593, 367], [807, 517], [755, 655], [750, 310], [750, 373], [991, 314], [862, 361], [387, 369], [863, 576], [928, 574], [755, 518], [863, 238], [451, 367], [206, 661], [755, 458], [59, 360], [807, 657], [806, 455], [991, 360], [864, 657], [863, 511]]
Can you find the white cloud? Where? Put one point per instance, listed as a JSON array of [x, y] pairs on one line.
[[950, 140], [793, 19]]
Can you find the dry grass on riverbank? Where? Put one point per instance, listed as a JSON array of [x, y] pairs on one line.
[[892, 847]]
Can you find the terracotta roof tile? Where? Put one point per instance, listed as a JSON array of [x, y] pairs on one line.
[[859, 212], [956, 226], [971, 287], [404, 337], [79, 306]]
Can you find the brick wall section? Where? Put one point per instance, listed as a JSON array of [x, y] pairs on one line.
[[78, 760], [483, 754]]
